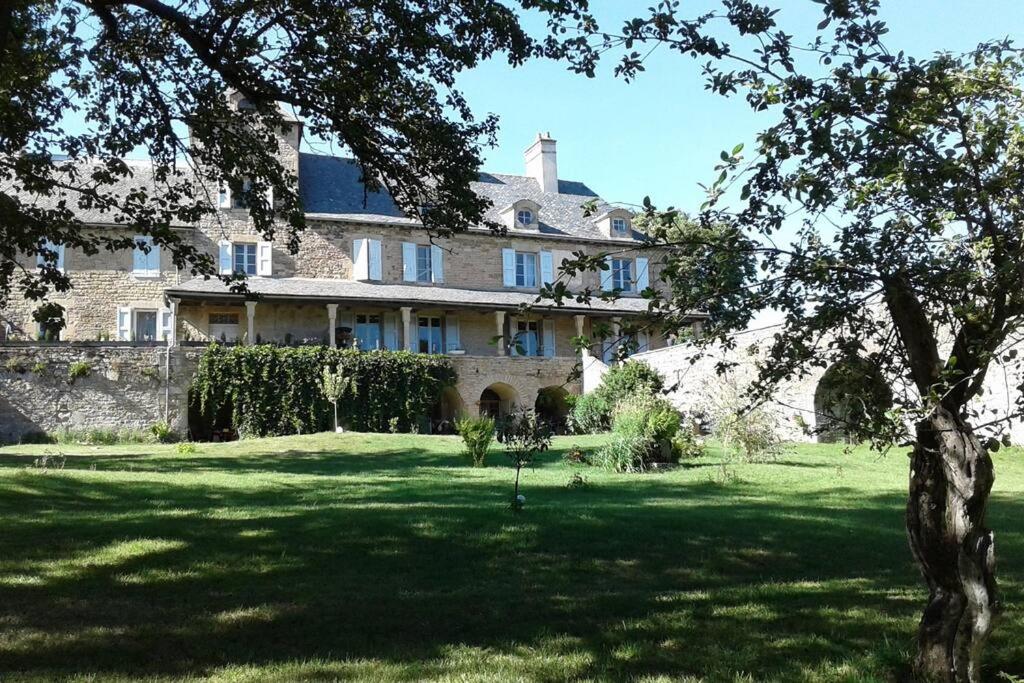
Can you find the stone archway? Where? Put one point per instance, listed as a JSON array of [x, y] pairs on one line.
[[498, 400], [846, 395], [448, 408], [552, 407]]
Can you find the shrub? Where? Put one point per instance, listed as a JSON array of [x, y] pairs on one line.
[[100, 436], [525, 438], [752, 434], [39, 368], [186, 448], [593, 412], [686, 446], [477, 433], [161, 432], [16, 365], [271, 390], [576, 456], [642, 431], [78, 369]]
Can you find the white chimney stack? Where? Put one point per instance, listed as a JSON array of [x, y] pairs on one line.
[[542, 162]]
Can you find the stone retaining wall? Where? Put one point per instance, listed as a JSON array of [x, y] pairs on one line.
[[126, 387]]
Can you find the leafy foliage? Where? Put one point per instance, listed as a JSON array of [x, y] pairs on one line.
[[162, 432], [524, 437], [274, 390], [94, 81], [477, 434], [593, 412], [643, 427]]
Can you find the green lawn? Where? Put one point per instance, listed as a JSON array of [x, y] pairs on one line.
[[386, 558]]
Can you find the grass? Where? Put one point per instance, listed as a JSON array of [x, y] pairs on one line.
[[378, 558]]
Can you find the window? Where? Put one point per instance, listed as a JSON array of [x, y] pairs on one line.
[[144, 328], [620, 226], [430, 335], [524, 217], [622, 274], [368, 334], [527, 339], [244, 258], [145, 263], [50, 328], [224, 327], [52, 247], [423, 270], [526, 269]]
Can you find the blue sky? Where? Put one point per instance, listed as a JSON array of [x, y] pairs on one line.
[[662, 134]]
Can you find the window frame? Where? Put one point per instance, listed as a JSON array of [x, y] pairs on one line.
[[235, 247], [420, 341], [137, 313], [521, 270], [616, 230], [424, 252], [528, 213], [622, 274], [525, 333], [368, 323]]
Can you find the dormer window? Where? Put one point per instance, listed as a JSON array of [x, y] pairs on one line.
[[620, 226], [615, 223], [523, 214], [525, 218]]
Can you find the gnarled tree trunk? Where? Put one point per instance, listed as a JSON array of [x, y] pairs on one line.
[[950, 479]]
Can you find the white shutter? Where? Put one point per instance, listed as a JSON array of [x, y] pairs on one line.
[[376, 261], [270, 197], [451, 333], [391, 331], [549, 337], [643, 341], [508, 267], [606, 275], [60, 257], [124, 323], [224, 195], [225, 257], [408, 261], [59, 248], [436, 264], [642, 279], [164, 321], [547, 268], [140, 260], [265, 259], [360, 260]]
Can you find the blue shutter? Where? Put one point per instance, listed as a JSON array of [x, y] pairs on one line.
[[642, 279], [436, 264], [549, 337], [508, 267], [376, 261], [606, 275], [391, 331], [226, 267], [408, 261], [451, 332], [360, 260], [547, 268]]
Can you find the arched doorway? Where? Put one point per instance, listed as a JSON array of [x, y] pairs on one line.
[[498, 400], [448, 408], [552, 407], [847, 396]]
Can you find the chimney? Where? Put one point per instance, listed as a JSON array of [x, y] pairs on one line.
[[542, 162]]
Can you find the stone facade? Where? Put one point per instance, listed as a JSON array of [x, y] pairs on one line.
[[126, 386]]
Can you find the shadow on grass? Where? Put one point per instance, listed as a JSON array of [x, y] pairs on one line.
[[630, 577]]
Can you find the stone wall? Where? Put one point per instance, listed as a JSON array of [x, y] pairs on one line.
[[524, 376], [126, 387]]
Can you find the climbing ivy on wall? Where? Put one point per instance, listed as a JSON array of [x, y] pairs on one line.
[[273, 390]]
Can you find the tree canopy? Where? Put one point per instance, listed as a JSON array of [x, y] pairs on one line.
[[86, 83], [880, 212]]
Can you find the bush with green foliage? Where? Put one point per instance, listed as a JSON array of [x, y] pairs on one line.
[[477, 433], [752, 434], [525, 437], [687, 446], [185, 448], [78, 369], [274, 390], [161, 432], [643, 428], [593, 412]]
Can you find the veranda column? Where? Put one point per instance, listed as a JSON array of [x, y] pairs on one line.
[[332, 318], [172, 337], [580, 320], [499, 322], [250, 312], [406, 327]]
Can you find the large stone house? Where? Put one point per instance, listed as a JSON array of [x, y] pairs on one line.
[[367, 275]]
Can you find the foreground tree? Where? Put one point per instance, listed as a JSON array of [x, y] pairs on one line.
[[89, 82], [881, 213]]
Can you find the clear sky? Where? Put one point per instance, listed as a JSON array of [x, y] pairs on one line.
[[662, 134]]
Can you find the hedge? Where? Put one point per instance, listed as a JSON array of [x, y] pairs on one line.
[[274, 390]]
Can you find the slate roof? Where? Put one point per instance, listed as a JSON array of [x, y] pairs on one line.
[[334, 290], [330, 188]]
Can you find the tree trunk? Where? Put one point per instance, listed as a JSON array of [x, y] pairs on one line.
[[950, 480]]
